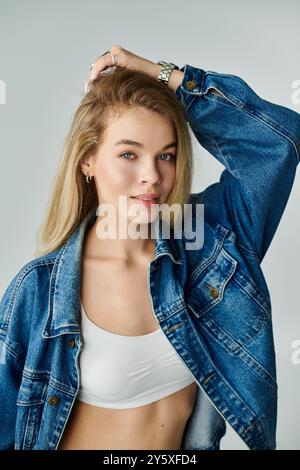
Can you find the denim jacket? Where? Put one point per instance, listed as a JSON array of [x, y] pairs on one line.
[[212, 303]]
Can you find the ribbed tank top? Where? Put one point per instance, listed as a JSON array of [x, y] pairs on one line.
[[119, 371]]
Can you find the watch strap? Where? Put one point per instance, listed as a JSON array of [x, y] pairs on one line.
[[166, 70]]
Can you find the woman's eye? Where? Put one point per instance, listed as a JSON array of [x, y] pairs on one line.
[[126, 153], [169, 155], [172, 157]]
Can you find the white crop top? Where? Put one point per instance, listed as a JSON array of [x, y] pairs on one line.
[[119, 371]]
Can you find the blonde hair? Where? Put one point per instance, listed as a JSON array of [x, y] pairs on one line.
[[72, 198]]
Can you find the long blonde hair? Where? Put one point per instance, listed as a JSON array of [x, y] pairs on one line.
[[72, 198]]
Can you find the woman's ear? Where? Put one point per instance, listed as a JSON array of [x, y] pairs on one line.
[[86, 164]]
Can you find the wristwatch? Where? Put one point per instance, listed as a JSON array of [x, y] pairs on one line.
[[165, 71]]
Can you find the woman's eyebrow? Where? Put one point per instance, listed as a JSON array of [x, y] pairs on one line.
[[138, 144]]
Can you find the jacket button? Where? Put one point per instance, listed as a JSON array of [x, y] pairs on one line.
[[214, 292], [191, 84], [71, 343], [53, 400]]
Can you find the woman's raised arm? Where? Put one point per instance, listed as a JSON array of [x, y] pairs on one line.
[[257, 141]]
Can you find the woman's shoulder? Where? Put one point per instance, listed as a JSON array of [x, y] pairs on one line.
[[33, 265], [28, 277]]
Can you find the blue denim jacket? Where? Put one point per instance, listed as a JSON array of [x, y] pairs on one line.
[[212, 303]]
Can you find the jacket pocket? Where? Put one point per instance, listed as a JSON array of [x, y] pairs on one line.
[[30, 403], [224, 297], [208, 287]]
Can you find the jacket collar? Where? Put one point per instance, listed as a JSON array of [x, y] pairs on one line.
[[64, 298]]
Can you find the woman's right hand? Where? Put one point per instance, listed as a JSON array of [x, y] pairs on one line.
[[123, 59]]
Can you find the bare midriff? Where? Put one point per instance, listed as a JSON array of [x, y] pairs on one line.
[[158, 425]]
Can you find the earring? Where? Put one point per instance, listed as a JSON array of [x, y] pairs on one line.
[[88, 178]]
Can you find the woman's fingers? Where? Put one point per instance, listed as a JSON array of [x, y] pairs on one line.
[[104, 64], [101, 64], [122, 58]]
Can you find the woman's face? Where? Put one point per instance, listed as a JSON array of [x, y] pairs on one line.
[[124, 169]]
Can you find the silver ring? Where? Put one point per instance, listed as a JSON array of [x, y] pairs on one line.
[[107, 52]]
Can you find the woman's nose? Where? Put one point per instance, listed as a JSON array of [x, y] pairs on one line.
[[150, 173]]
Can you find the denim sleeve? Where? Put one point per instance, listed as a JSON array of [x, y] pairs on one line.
[[10, 372], [258, 143]]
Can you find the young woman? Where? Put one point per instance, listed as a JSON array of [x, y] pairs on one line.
[[151, 342]]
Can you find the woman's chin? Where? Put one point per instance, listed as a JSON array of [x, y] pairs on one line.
[[143, 219]]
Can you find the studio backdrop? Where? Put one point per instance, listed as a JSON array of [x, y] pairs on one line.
[[46, 49]]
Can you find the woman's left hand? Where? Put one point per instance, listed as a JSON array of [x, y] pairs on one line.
[[122, 58]]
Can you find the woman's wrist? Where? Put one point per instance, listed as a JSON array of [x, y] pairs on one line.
[[175, 79]]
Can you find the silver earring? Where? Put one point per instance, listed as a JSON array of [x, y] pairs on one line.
[[89, 178]]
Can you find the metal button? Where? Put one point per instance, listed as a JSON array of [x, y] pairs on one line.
[[214, 292], [53, 400], [191, 84], [71, 343]]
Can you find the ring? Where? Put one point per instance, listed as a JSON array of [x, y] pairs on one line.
[[107, 52]]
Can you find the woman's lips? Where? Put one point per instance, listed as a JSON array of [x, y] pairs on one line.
[[147, 202]]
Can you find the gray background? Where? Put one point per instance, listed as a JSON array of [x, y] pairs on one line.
[[45, 52]]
